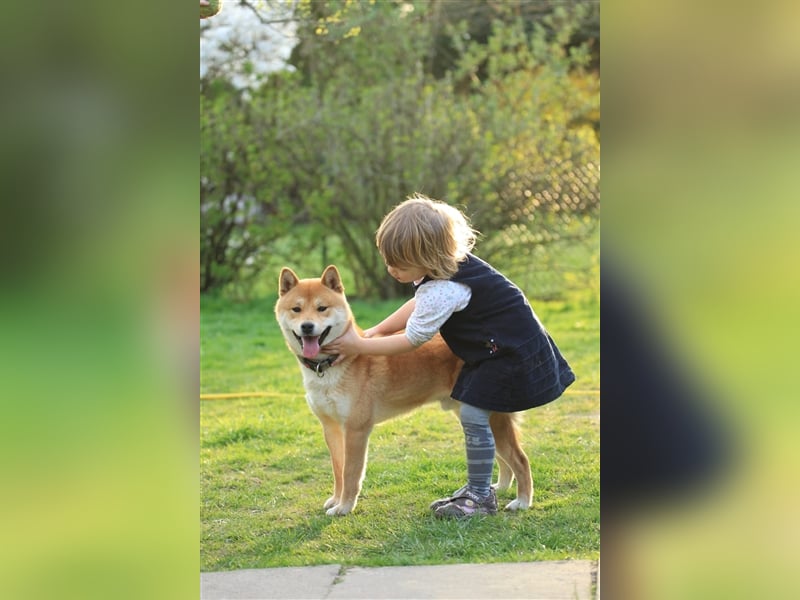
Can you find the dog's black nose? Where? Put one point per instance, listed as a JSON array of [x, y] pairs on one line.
[[307, 328]]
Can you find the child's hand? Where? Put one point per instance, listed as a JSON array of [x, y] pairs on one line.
[[345, 345], [368, 333]]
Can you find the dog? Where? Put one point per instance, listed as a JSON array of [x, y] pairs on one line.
[[351, 397]]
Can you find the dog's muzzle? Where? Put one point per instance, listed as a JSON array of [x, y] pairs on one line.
[[311, 344]]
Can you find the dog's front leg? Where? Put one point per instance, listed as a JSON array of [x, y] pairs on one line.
[[355, 463], [334, 438]]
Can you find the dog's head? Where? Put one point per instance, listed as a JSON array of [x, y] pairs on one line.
[[311, 311]]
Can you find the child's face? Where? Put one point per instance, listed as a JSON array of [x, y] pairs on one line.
[[406, 274]]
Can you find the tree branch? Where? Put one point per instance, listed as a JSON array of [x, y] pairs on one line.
[[261, 18]]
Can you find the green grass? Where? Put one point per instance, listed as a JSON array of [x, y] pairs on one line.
[[265, 470]]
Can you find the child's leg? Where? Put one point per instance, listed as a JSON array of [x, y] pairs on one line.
[[479, 443]]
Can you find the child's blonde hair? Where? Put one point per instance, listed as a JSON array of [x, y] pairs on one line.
[[425, 233]]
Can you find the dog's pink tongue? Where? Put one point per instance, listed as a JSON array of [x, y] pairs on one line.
[[310, 346]]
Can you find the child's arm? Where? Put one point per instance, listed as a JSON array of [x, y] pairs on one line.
[[350, 344], [394, 322], [391, 342]]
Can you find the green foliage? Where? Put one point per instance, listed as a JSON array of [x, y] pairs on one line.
[[213, 7], [507, 132], [539, 192], [265, 470], [244, 202], [228, 227]]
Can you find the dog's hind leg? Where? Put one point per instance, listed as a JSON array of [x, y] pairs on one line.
[[511, 453], [505, 475], [334, 438]]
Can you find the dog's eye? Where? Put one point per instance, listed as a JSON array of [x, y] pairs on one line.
[[296, 309], [322, 308]]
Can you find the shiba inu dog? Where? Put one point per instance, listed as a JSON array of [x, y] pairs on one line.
[[350, 398]]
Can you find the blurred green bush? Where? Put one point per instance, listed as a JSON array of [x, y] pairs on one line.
[[390, 99]]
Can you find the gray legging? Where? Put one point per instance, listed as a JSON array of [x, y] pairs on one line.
[[479, 443]]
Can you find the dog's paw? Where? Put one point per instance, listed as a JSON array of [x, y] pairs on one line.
[[518, 504], [503, 483], [338, 511], [332, 501]]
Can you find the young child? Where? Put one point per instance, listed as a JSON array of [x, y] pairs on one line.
[[510, 362]]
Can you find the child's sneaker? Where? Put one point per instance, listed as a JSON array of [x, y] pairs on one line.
[[468, 504], [442, 501]]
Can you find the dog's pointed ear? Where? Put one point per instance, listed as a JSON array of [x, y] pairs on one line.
[[286, 281], [331, 279]]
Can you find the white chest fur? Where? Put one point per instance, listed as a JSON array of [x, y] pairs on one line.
[[324, 394]]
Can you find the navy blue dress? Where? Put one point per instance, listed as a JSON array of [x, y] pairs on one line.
[[510, 361]]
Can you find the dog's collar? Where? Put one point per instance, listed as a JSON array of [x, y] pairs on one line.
[[318, 366]]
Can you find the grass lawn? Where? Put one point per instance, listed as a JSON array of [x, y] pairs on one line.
[[265, 470]]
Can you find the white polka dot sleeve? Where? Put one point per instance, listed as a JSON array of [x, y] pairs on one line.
[[435, 300]]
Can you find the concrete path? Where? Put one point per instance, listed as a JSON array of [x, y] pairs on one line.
[[557, 580]]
